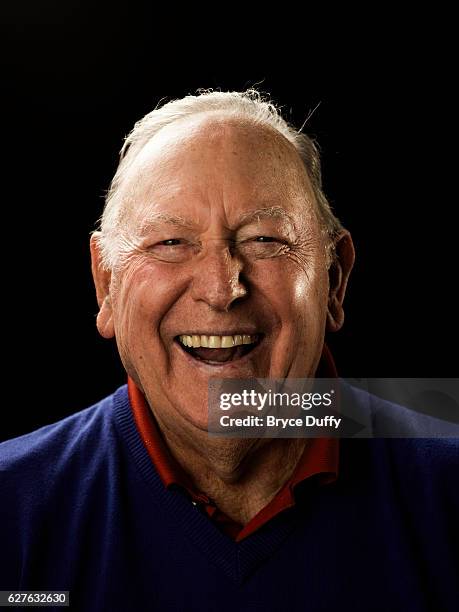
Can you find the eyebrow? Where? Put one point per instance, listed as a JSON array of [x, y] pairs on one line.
[[158, 219], [268, 212]]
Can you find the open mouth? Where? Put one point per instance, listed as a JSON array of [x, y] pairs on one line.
[[218, 349]]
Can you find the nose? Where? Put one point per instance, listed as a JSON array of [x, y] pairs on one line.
[[217, 277]]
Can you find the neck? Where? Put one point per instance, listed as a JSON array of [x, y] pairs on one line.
[[240, 476]]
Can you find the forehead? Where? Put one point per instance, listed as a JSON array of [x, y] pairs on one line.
[[203, 164]]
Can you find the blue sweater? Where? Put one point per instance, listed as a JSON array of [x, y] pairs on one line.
[[83, 509]]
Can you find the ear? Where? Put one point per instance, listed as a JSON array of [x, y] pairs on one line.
[[102, 278], [338, 276]]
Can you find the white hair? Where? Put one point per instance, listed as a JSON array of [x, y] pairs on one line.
[[251, 105]]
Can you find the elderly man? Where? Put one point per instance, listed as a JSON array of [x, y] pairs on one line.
[[218, 256]]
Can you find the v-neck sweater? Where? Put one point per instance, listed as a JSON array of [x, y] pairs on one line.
[[83, 509]]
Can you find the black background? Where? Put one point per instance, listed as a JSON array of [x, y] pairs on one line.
[[76, 76]]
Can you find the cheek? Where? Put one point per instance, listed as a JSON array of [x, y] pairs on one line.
[[146, 293], [295, 295], [311, 292]]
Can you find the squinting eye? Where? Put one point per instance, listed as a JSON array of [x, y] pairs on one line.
[[265, 239], [171, 242], [262, 247], [173, 250]]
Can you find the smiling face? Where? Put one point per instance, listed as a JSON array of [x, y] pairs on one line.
[[226, 252]]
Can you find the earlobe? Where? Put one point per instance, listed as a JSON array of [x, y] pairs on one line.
[[338, 276], [102, 278], [335, 315], [104, 320]]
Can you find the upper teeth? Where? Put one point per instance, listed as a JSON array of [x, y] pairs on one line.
[[195, 341]]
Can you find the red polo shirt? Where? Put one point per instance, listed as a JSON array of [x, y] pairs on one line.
[[320, 459]]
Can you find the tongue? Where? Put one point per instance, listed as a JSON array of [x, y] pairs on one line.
[[221, 354]]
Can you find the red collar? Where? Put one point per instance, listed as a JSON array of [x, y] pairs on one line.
[[320, 458]]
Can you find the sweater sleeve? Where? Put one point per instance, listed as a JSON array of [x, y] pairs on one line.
[[49, 480]]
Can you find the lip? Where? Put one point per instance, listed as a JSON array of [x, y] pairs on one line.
[[222, 366]]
